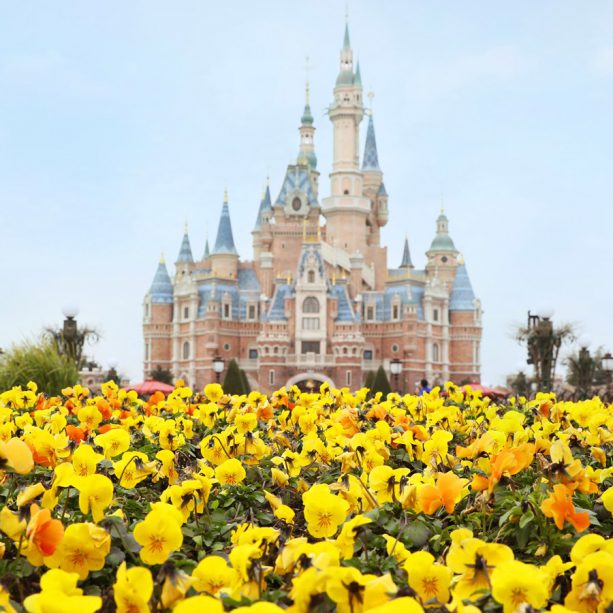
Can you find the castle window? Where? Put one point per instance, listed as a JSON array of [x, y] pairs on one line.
[[147, 309], [226, 347], [368, 354], [435, 314], [370, 313], [186, 350], [311, 276], [348, 378], [310, 346], [395, 348], [251, 312], [146, 351], [310, 305], [253, 354], [271, 377], [435, 353], [226, 310], [395, 312], [310, 323], [186, 312]]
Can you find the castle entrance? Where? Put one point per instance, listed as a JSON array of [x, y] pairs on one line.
[[309, 381]]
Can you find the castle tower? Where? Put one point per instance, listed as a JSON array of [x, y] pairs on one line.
[[157, 320], [306, 152], [466, 328], [224, 258], [442, 255], [346, 209]]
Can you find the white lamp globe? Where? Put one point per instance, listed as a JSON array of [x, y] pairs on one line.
[[584, 341], [546, 311], [113, 363], [70, 310]]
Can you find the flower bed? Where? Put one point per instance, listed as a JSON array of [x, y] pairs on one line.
[[303, 502]]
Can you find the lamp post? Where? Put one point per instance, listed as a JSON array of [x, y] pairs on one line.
[[543, 347], [607, 366], [585, 368], [70, 332], [218, 364], [396, 369]]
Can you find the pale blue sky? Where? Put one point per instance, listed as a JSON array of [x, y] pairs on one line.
[[120, 120]]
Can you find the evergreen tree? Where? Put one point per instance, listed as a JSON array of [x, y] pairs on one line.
[[232, 383], [163, 375], [245, 382], [381, 383], [370, 379]]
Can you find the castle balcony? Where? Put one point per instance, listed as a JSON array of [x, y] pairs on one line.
[[310, 360]]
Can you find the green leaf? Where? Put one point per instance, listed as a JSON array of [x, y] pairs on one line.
[[526, 518]]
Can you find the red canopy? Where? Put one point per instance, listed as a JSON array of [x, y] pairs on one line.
[[487, 391], [146, 388]]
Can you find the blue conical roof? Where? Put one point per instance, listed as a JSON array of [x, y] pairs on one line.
[[206, 250], [346, 42], [161, 288], [224, 243], [406, 256], [185, 253], [462, 296], [358, 75], [371, 159], [265, 204]]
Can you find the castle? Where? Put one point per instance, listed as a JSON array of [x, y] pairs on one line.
[[318, 301]]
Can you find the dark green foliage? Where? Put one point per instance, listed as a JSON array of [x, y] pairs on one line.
[[163, 375], [370, 379], [232, 383], [40, 363], [381, 383], [245, 382]]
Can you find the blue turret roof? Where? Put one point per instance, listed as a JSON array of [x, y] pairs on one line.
[[161, 288], [406, 256], [371, 159], [265, 204], [346, 42], [297, 179], [185, 253], [224, 243], [358, 75], [462, 296], [206, 250], [382, 191]]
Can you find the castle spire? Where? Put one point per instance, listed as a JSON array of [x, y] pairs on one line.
[[346, 41], [185, 252], [207, 251], [442, 241], [462, 297], [265, 205], [406, 255], [161, 288], [306, 152], [371, 158], [224, 243]]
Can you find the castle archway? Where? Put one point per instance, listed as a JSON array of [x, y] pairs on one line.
[[309, 381]]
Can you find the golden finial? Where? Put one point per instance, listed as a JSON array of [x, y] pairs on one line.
[[442, 204], [225, 196], [162, 258], [460, 259], [334, 277], [307, 67]]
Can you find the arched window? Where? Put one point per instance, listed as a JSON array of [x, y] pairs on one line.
[[311, 276], [435, 353], [310, 305], [186, 350]]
